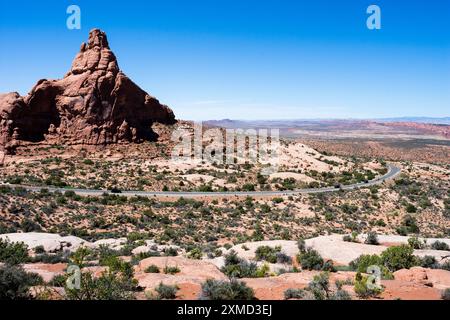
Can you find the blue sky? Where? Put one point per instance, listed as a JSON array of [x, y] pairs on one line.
[[248, 59]]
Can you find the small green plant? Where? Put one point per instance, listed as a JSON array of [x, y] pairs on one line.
[[439, 245], [294, 294], [310, 259], [166, 292], [399, 257], [195, 254], [226, 290], [446, 294], [372, 238], [267, 253], [13, 253], [15, 282], [152, 269], [171, 270], [415, 243], [236, 267], [365, 288]]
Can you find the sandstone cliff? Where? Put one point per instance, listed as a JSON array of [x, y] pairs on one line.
[[94, 104]]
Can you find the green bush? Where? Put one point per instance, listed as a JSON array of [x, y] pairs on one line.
[[267, 253], [446, 294], [429, 262], [116, 283], [410, 208], [409, 225], [109, 286], [415, 243], [399, 257], [294, 294], [320, 286], [310, 259], [301, 245], [13, 253], [151, 269], [171, 270], [226, 290], [438, 245], [362, 288], [341, 295], [363, 262], [15, 282], [238, 268], [166, 292], [372, 238], [195, 254]]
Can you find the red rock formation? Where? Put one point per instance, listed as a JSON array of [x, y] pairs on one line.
[[94, 104]]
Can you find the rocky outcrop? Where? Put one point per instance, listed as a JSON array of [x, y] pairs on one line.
[[94, 104]]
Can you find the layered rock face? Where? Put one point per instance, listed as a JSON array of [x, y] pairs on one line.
[[94, 104]]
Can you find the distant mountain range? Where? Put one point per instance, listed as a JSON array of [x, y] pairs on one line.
[[228, 123], [444, 120]]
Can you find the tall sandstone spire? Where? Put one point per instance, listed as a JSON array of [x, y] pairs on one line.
[[94, 104]]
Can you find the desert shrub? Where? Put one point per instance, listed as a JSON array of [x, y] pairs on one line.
[[363, 289], [238, 268], [283, 258], [341, 295], [111, 285], [263, 271], [410, 208], [13, 253], [399, 257], [438, 245], [409, 225], [195, 254], [310, 259], [277, 200], [60, 257], [320, 286], [294, 294], [171, 252], [151, 269], [226, 290], [166, 292], [116, 283], [428, 262], [80, 256], [15, 282], [347, 238], [301, 245], [415, 243], [267, 253], [248, 187], [58, 280], [171, 270], [372, 238], [445, 265], [446, 294], [39, 249], [363, 262]]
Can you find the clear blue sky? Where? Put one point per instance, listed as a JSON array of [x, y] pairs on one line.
[[245, 59]]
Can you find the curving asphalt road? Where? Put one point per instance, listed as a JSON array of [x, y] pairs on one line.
[[393, 171]]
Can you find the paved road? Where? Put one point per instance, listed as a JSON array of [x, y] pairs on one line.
[[392, 172]]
